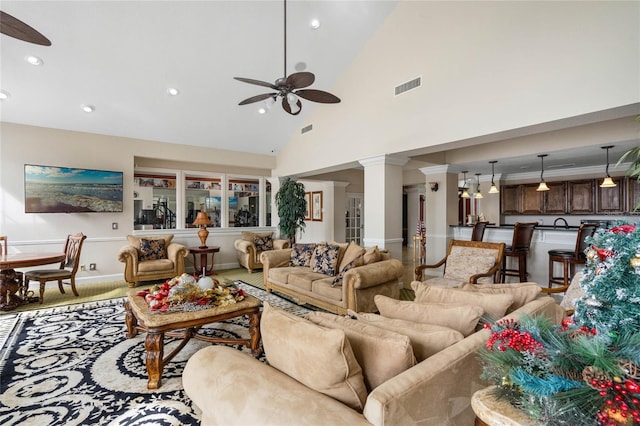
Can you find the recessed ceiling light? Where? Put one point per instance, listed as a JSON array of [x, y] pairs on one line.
[[87, 108], [34, 60], [262, 111], [4, 95], [173, 91], [315, 24]]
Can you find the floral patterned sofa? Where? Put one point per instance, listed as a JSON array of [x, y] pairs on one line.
[[332, 276]]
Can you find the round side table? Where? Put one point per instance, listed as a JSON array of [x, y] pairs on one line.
[[203, 252]]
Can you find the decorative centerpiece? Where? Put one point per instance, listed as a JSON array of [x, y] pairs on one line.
[[586, 371], [188, 293]]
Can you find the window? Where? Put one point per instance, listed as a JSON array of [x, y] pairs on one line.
[[244, 202], [203, 193], [154, 202]]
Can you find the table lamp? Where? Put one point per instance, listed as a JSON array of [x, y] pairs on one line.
[[202, 220]]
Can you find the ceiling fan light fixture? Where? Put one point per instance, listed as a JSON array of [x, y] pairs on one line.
[[478, 193], [608, 182]]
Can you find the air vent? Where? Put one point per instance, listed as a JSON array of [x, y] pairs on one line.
[[306, 129], [409, 85]]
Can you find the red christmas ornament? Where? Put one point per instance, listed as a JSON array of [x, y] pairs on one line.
[[626, 229], [603, 254], [632, 386]]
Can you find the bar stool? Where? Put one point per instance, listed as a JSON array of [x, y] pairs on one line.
[[478, 231], [519, 248], [570, 258]]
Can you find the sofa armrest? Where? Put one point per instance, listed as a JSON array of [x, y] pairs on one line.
[[245, 246], [128, 254], [266, 396], [275, 258], [176, 251], [371, 275], [281, 244]]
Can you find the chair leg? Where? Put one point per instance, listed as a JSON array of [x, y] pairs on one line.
[[522, 267], [73, 286], [60, 286], [551, 264], [42, 284]]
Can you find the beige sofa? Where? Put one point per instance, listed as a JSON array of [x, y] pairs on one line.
[[361, 274], [233, 388], [252, 244], [152, 257]]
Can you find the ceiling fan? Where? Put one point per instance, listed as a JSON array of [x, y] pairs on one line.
[[289, 87], [13, 27]]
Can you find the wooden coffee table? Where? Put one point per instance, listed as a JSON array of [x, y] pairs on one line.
[[184, 325]]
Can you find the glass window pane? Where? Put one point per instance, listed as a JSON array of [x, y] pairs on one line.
[[244, 202], [154, 201], [202, 193], [268, 202]]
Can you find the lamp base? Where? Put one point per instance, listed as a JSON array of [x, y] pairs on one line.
[[203, 233]]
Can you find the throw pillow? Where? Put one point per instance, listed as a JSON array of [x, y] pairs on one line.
[[381, 353], [494, 305], [426, 339], [351, 259], [463, 318], [301, 255], [372, 255], [152, 250], [263, 242], [522, 293], [460, 267], [325, 259], [135, 240], [318, 357]]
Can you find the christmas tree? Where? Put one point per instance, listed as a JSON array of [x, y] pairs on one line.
[[586, 371]]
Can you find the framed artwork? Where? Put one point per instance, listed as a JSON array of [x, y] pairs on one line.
[[316, 206], [307, 213]]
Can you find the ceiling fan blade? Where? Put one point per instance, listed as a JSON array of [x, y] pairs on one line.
[[287, 107], [15, 28], [258, 98], [299, 80], [318, 96], [257, 82]]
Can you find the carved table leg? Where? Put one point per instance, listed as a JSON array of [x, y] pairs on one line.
[[254, 332], [132, 321], [8, 288], [154, 345]]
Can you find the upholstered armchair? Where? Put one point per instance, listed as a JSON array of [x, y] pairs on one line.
[[251, 246], [466, 262], [151, 258]]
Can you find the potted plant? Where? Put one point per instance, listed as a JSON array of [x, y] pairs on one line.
[[292, 206]]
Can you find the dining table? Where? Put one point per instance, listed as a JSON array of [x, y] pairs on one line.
[[13, 292]]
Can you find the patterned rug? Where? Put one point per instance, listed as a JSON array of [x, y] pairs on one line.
[[74, 366]]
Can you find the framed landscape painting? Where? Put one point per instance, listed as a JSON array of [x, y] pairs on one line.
[[51, 189], [307, 212], [316, 209]]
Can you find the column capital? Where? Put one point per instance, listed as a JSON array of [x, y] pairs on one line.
[[444, 168], [384, 159]]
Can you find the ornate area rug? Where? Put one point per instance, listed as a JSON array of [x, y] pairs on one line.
[[74, 366]]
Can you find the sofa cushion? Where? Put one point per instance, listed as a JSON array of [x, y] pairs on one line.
[[154, 266], [301, 254], [325, 259], [304, 278], [351, 259], [381, 353], [426, 339], [326, 289], [522, 293], [152, 249], [463, 318], [318, 357], [134, 240], [263, 242], [494, 305], [281, 275], [461, 267], [372, 255]]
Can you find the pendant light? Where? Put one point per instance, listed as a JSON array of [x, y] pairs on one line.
[[494, 188], [608, 182], [478, 193], [465, 193], [543, 185]]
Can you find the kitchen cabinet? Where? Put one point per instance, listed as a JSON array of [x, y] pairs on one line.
[[510, 199], [532, 200], [611, 200], [581, 197], [555, 199]]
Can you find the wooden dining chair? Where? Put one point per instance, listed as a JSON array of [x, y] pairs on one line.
[[66, 271], [478, 231]]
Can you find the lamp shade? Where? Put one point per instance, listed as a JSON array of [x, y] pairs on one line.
[[202, 219], [542, 186], [608, 183]]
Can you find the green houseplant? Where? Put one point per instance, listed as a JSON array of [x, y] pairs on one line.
[[292, 206]]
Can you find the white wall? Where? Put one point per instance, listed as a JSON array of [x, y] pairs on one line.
[[486, 67]]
